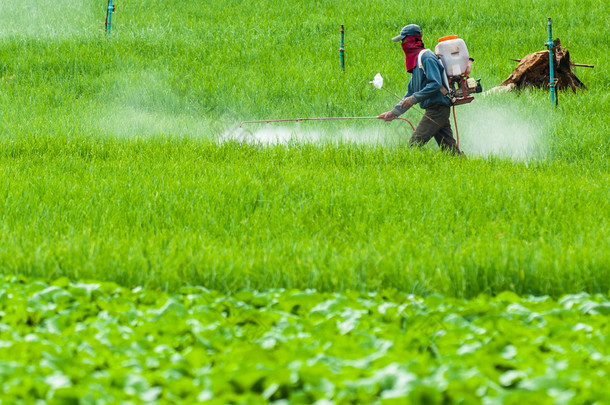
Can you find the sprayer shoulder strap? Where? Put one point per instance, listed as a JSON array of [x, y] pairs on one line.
[[419, 62], [421, 66]]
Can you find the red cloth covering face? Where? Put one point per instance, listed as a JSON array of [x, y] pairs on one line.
[[412, 46]]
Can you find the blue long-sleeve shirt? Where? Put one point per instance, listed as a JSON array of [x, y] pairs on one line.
[[426, 87]]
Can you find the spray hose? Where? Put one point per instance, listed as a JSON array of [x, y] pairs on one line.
[[319, 119], [420, 111], [457, 133], [378, 83]]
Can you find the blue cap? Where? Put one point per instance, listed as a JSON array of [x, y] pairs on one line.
[[408, 30]]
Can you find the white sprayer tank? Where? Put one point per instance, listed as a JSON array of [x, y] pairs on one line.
[[454, 55]]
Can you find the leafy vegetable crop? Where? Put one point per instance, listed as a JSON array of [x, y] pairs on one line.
[[100, 343]]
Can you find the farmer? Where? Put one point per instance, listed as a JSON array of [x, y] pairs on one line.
[[426, 88]]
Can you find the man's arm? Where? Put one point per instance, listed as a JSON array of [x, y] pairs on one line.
[[398, 108], [403, 105]]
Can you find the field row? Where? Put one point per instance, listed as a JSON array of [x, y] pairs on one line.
[[102, 343], [168, 212]]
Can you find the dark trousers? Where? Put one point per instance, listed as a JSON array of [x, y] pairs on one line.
[[435, 123]]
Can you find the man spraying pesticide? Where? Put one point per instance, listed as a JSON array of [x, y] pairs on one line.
[[431, 88], [436, 84]]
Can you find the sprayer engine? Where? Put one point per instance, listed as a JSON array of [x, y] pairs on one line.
[[462, 87], [453, 54]]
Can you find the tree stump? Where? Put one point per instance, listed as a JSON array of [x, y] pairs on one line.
[[533, 71]]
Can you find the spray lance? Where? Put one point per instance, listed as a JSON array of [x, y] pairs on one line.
[[342, 58], [379, 83], [318, 119]]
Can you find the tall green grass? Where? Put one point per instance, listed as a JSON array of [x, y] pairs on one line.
[[110, 167], [164, 213]]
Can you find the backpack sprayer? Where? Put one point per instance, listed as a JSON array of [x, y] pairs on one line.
[[453, 54]]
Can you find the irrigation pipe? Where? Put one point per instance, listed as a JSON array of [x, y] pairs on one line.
[[319, 119]]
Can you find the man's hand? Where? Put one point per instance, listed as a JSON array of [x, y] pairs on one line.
[[408, 102], [387, 116]]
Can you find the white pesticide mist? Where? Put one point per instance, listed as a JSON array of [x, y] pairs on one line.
[[49, 18], [270, 136], [487, 127], [492, 126], [126, 121], [142, 104], [273, 134]]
